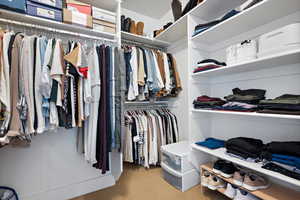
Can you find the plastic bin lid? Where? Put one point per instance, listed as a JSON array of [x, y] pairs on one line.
[[180, 148]]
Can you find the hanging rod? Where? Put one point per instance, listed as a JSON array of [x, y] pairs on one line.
[[131, 42], [54, 30]]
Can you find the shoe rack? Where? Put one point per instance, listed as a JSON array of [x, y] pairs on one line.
[[273, 192]]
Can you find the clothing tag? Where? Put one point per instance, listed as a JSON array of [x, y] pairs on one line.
[[46, 13], [79, 18], [136, 138], [48, 2]]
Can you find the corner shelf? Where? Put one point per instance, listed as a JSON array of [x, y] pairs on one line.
[[274, 192], [176, 32], [248, 114], [247, 20], [220, 153], [286, 58], [143, 39], [24, 18]]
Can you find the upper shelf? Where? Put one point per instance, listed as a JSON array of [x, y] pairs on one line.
[[209, 10], [258, 15], [23, 18], [143, 39], [177, 31], [286, 58]]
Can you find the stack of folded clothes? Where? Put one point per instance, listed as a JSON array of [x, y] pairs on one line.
[[285, 104], [283, 157], [244, 148], [208, 64], [206, 102], [243, 100], [211, 143]]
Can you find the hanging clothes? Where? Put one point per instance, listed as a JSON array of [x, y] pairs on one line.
[[150, 73], [47, 83], [145, 132]]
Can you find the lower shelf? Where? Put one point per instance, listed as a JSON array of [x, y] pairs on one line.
[[274, 192], [221, 153]]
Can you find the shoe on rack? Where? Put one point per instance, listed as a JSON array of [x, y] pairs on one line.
[[215, 183], [218, 166], [127, 24], [238, 177], [132, 27], [254, 182], [123, 22], [205, 178], [244, 195], [230, 191], [140, 28], [228, 170]]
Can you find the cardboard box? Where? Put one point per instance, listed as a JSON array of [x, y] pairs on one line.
[[15, 5], [52, 3], [77, 18], [104, 23], [104, 15], [99, 27], [47, 12], [77, 6]]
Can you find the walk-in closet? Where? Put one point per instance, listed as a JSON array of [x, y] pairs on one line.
[[138, 99]]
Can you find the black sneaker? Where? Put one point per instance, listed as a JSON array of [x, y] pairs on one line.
[[228, 170], [218, 166]]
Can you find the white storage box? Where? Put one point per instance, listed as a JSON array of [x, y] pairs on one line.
[[231, 55], [176, 156], [104, 15], [283, 39], [242, 52], [182, 182]]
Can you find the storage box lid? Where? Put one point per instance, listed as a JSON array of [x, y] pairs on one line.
[[180, 148], [77, 2]]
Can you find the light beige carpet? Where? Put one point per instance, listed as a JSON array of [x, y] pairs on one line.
[[137, 183]]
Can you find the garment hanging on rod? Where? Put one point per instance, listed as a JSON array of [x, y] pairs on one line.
[[150, 73], [45, 86], [146, 130]]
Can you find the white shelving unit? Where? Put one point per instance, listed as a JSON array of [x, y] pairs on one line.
[[221, 153], [277, 73], [285, 58], [144, 39], [258, 15]]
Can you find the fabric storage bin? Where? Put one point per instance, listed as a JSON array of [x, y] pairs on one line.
[[104, 15], [77, 6], [246, 51], [231, 55], [102, 28], [15, 5], [176, 156], [279, 40], [44, 11], [53, 3], [182, 182]]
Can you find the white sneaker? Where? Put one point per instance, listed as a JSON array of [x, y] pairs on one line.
[[230, 191], [254, 182], [244, 195], [215, 183]]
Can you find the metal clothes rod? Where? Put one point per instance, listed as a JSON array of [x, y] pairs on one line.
[[144, 103], [130, 42], [55, 30]]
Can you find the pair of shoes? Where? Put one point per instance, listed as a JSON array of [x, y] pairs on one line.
[[224, 168], [250, 181], [129, 25], [212, 182], [233, 192]]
